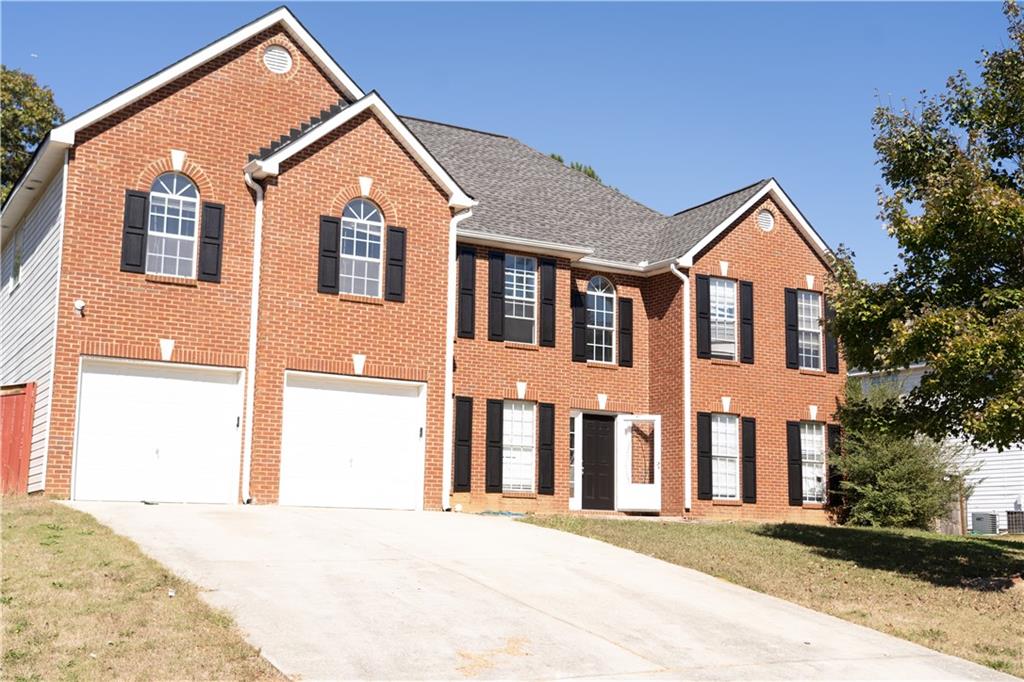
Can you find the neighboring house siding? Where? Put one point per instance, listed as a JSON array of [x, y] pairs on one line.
[[28, 312], [999, 482]]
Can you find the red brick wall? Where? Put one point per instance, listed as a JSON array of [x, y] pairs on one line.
[[302, 329], [218, 114], [490, 369], [766, 389]]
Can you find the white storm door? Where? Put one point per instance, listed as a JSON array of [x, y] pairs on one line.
[[352, 442], [638, 462]]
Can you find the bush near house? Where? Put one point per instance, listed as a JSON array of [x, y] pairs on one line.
[[887, 477]]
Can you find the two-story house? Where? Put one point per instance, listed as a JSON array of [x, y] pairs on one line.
[[246, 279]]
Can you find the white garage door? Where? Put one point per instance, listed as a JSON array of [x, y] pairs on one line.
[[157, 432], [352, 442]]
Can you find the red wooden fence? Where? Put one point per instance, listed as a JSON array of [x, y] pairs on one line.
[[17, 404]]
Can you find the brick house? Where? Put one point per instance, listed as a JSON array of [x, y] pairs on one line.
[[322, 303]]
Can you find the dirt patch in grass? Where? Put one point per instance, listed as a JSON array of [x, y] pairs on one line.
[[961, 596], [78, 602]]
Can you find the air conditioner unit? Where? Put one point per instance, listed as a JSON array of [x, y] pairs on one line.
[[1015, 522], [984, 523]]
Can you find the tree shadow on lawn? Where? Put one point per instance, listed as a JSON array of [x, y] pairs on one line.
[[971, 563]]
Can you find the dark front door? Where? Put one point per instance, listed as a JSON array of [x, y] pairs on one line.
[[598, 462]]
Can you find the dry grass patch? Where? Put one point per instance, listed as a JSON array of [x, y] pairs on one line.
[[961, 596], [78, 602]]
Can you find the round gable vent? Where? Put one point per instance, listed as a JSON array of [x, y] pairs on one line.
[[765, 220], [277, 59]]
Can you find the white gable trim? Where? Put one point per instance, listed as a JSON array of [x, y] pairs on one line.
[[65, 134], [772, 188], [271, 165]]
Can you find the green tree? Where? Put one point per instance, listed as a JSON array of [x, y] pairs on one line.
[[27, 113], [577, 166], [954, 202], [890, 478]]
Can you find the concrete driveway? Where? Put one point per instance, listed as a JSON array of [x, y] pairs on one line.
[[331, 593]]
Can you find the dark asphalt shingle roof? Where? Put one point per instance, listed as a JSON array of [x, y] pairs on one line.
[[524, 193]]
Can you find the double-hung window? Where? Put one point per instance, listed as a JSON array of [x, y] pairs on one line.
[[362, 227], [520, 298], [600, 320], [723, 317], [809, 328], [171, 232], [812, 456], [519, 446], [725, 457]]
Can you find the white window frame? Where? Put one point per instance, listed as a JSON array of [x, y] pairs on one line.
[[719, 307], [519, 446], [526, 266], [725, 454], [173, 196], [812, 462], [806, 329], [604, 294], [370, 223]]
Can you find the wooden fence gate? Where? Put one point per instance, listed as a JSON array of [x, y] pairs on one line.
[[17, 404]]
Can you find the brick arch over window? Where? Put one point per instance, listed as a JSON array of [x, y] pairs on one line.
[[376, 195], [191, 170]]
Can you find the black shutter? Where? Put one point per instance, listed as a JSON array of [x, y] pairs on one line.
[[703, 316], [703, 455], [467, 291], [749, 460], [626, 332], [496, 297], [831, 346], [211, 242], [792, 351], [546, 448], [547, 302], [494, 440], [579, 326], [328, 274], [794, 464], [394, 282], [747, 322], [463, 444], [133, 235], [835, 447]]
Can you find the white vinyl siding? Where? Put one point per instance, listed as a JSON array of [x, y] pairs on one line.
[[28, 314], [725, 457], [812, 456], [809, 325], [998, 479], [723, 318], [519, 443]]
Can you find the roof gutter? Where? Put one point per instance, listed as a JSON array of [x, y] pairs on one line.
[[573, 253], [687, 390]]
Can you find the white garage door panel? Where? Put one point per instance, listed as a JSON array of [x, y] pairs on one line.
[[350, 442], [157, 432]]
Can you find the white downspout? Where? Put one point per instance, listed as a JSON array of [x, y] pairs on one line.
[[449, 362], [254, 310], [687, 388]]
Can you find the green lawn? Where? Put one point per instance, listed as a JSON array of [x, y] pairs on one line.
[[78, 602], [961, 596]]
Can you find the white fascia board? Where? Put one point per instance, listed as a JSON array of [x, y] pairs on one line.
[[687, 259], [573, 253], [47, 162], [457, 199], [66, 133], [642, 269]]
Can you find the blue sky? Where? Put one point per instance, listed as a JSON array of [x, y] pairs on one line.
[[674, 104]]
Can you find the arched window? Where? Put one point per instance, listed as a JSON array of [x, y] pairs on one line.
[[362, 226], [600, 320], [173, 225]]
